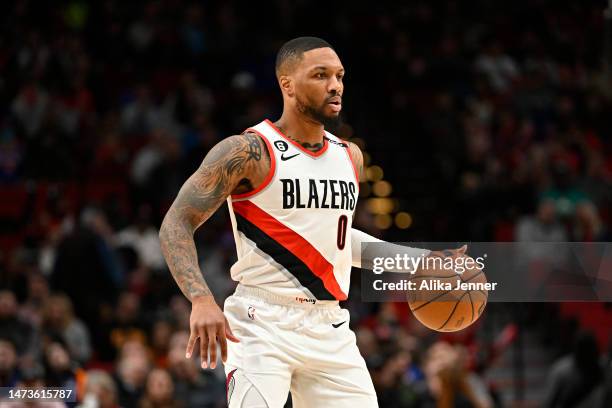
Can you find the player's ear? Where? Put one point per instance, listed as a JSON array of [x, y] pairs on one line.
[[286, 84]]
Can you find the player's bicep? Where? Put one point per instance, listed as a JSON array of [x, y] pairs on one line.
[[223, 168], [357, 157]]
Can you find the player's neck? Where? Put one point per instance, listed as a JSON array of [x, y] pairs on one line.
[[304, 131]]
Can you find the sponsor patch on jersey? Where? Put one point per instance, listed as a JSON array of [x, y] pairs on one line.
[[305, 300], [281, 145]]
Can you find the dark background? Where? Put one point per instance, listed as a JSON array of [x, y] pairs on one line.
[[480, 121]]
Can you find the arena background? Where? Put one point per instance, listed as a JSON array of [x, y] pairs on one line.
[[480, 121]]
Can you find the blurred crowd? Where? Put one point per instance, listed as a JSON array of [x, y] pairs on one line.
[[490, 121]]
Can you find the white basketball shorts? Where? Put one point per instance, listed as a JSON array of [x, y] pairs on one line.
[[292, 345]]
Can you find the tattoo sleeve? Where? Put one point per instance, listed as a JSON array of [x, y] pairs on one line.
[[226, 166], [357, 157]]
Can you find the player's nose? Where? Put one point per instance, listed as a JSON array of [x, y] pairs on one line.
[[334, 86]]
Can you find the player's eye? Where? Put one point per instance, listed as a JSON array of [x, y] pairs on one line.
[[319, 75]]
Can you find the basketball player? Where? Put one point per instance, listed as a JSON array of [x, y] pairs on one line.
[[291, 189]]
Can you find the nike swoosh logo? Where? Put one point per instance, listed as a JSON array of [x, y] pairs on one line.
[[336, 325], [283, 158]]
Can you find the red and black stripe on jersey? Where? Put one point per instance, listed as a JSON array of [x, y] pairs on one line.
[[288, 249]]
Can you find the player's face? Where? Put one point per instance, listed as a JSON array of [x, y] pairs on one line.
[[318, 86]]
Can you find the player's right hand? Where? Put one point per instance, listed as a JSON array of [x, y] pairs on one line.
[[208, 323]]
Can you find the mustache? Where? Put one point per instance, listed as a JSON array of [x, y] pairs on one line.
[[329, 98]]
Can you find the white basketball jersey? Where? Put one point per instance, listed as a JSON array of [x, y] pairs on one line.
[[293, 232]]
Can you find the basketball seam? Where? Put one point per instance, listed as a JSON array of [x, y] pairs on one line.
[[471, 303], [452, 311]]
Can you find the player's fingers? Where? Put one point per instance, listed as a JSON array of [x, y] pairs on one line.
[[192, 339], [223, 342], [212, 347], [229, 334], [203, 348]]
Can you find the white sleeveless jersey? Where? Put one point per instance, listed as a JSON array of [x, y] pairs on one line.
[[293, 232]]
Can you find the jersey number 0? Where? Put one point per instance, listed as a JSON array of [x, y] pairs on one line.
[[341, 239]]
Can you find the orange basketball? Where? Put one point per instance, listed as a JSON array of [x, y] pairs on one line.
[[445, 300]]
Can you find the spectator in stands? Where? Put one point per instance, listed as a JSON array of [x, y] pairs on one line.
[[543, 227], [32, 308], [160, 337], [367, 342], [140, 114], [145, 161], [9, 372], [573, 377], [133, 367], [59, 321], [587, 226], [30, 107], [180, 310], [448, 383], [100, 391], [499, 67], [12, 328], [193, 386], [564, 192], [601, 396], [86, 267], [124, 323], [11, 155], [143, 237], [59, 370], [128, 324], [392, 383], [159, 391]]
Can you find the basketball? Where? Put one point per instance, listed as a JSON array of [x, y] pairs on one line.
[[447, 300]]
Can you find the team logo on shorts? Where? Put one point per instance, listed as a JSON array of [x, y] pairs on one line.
[[281, 145], [251, 313]]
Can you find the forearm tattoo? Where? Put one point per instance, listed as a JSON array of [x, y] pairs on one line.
[[225, 167]]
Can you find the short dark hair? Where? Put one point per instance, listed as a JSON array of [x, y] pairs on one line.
[[293, 50]]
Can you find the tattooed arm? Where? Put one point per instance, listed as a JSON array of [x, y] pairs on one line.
[[235, 165]]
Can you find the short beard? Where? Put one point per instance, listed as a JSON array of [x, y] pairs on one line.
[[331, 124]]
